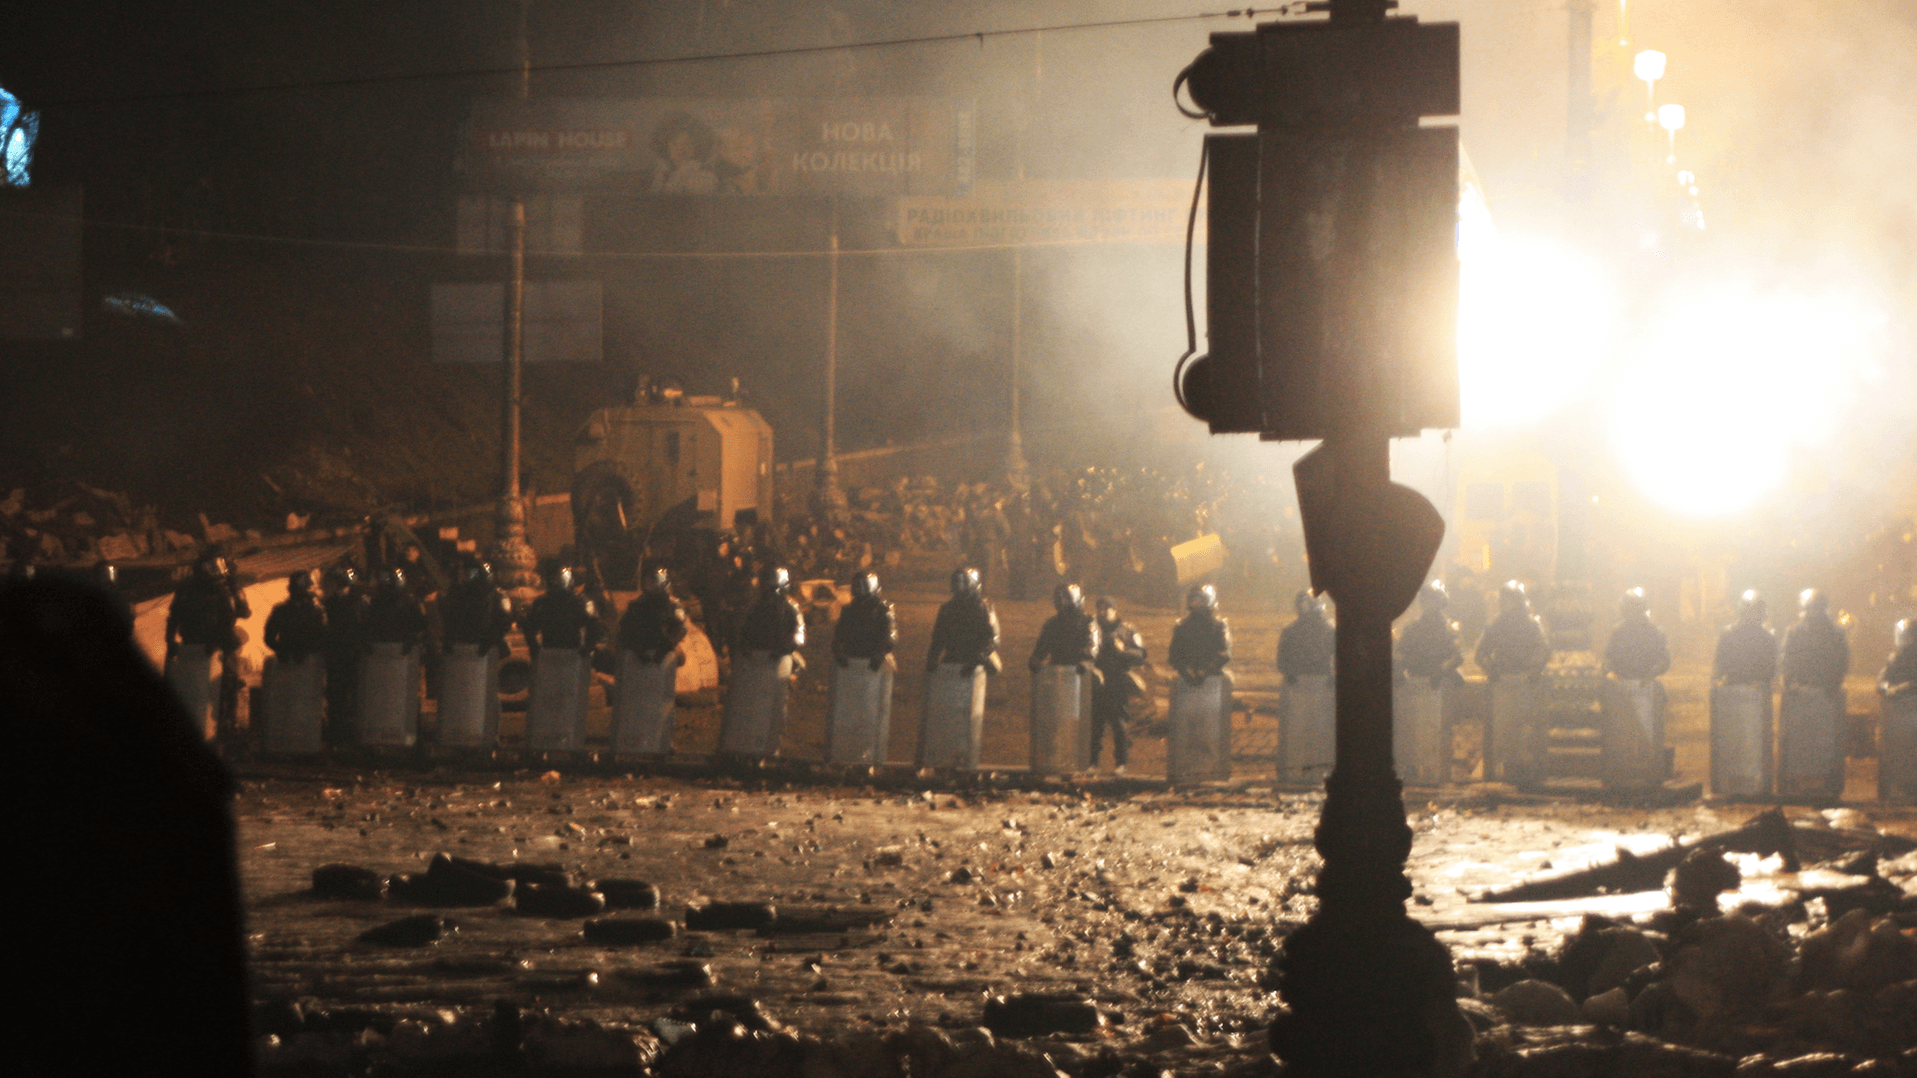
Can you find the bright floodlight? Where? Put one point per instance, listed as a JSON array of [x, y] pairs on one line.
[[1532, 324], [1649, 65], [1670, 117], [1709, 411]]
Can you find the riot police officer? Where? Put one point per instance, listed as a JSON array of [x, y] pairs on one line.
[[1741, 733], [562, 616], [1899, 678], [1306, 647], [966, 629], [345, 606], [773, 624], [1121, 651], [1514, 645], [867, 630], [296, 628], [1428, 647], [394, 614], [1070, 636], [654, 624], [1747, 649], [203, 619], [1201, 641], [1637, 650], [1816, 655], [474, 611]]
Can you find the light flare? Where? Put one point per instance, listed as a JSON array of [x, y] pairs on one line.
[[1533, 320]]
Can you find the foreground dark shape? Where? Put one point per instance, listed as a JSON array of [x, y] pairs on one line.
[[146, 908]]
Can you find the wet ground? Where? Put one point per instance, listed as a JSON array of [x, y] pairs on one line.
[[904, 903]]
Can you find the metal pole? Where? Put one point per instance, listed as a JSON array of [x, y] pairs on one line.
[[830, 498], [1578, 107], [514, 561], [1017, 470]]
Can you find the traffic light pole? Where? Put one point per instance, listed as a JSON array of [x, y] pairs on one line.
[[1368, 990]]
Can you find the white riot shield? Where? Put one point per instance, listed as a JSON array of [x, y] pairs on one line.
[[295, 699], [1515, 748], [1059, 711], [859, 722], [1198, 745], [1633, 732], [1420, 741], [953, 721], [190, 674], [754, 717], [556, 711], [642, 705], [1810, 744], [389, 695], [1897, 752], [469, 697], [1741, 740], [1307, 729]]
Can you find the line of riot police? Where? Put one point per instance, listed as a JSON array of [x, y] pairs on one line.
[[1797, 755]]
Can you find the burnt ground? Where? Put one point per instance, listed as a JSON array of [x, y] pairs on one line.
[[924, 898]]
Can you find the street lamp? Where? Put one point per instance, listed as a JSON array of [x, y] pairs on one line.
[[1649, 66], [1671, 119]]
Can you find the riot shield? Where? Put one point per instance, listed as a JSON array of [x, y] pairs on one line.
[[295, 700], [1633, 732], [859, 720], [1741, 740], [556, 711], [388, 695], [1810, 744], [1420, 741], [1307, 730], [953, 720], [754, 715], [469, 697], [1897, 752], [189, 673], [1198, 745], [1059, 710], [642, 716], [1515, 748]]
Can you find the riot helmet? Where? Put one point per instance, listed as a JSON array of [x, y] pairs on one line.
[[1813, 603], [390, 578], [1750, 606], [475, 571], [1906, 633], [1107, 609], [1202, 597], [1633, 604], [655, 581], [965, 581], [1511, 597], [865, 585], [299, 585], [210, 567], [341, 578], [776, 580], [1435, 597], [1068, 599]]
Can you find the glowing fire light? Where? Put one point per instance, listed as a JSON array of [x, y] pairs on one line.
[[1713, 405]]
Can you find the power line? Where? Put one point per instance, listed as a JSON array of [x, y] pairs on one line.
[[980, 36]]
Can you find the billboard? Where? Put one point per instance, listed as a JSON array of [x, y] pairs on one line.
[[864, 146], [1050, 211]]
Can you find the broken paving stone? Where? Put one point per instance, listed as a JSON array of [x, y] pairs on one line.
[[353, 882], [628, 894], [727, 916], [1036, 1015], [1536, 1003], [1608, 1008], [449, 883], [1725, 966], [562, 902], [621, 931], [718, 842], [1859, 952], [415, 931], [1601, 955]]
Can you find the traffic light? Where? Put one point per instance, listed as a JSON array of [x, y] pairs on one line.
[[1332, 273]]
